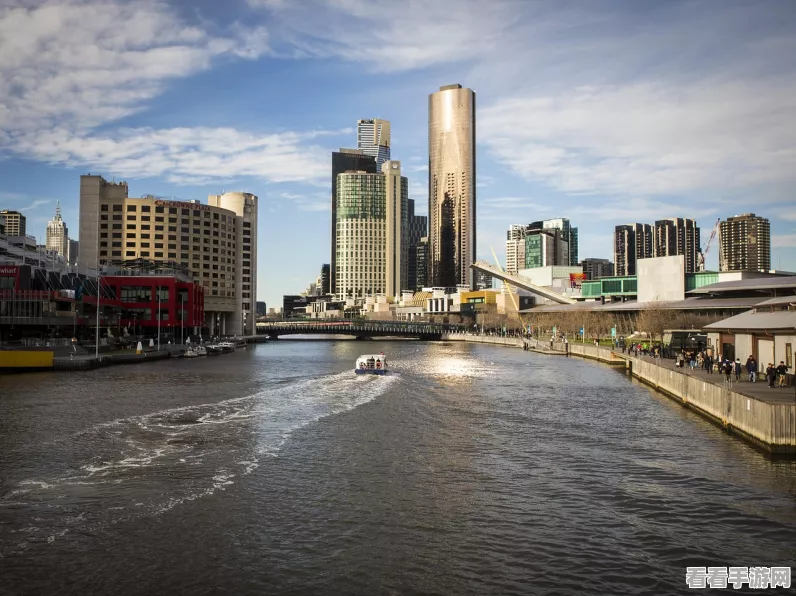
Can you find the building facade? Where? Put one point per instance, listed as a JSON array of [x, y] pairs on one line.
[[345, 160], [15, 223], [208, 240], [74, 251], [421, 264], [631, 242], [361, 259], [569, 235], [451, 186], [57, 239], [483, 281], [678, 236], [396, 204], [597, 268], [418, 228], [325, 281], [745, 243], [244, 206], [373, 139]]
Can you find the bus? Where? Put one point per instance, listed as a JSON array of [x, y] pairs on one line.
[[685, 339]]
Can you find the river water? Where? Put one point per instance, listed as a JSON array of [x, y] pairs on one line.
[[470, 469]]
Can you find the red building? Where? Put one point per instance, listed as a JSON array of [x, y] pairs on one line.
[[182, 302]]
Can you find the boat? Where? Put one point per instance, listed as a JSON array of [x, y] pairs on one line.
[[190, 353], [371, 364], [227, 346], [213, 349], [200, 351]]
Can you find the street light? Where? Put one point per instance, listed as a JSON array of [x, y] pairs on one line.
[[182, 318]]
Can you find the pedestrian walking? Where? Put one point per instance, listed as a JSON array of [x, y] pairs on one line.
[[728, 371], [751, 368], [771, 374], [782, 374], [738, 369]]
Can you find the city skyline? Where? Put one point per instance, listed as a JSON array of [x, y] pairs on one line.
[[569, 138]]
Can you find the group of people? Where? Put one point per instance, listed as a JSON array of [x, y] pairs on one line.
[[704, 359]]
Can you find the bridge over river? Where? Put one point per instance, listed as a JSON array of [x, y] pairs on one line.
[[358, 329]]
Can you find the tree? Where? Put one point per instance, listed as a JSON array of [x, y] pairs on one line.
[[655, 318]]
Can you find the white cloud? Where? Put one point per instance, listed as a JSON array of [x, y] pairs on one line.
[[81, 63], [647, 139], [187, 155], [392, 36], [34, 205]]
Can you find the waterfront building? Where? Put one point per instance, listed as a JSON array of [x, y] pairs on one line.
[[483, 281], [325, 280], [244, 205], [678, 236], [631, 242], [745, 243], [451, 186], [57, 239], [345, 160], [597, 268], [216, 242], [15, 223], [373, 139]]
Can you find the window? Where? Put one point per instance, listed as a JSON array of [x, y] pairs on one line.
[[117, 207], [103, 218], [129, 253], [131, 226], [158, 245], [131, 208], [789, 355], [145, 208], [116, 235], [117, 226], [145, 245], [103, 207], [144, 236], [159, 209], [117, 217], [130, 244], [131, 218]]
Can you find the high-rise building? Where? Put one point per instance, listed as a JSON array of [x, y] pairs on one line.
[[16, 223], [569, 234], [745, 243], [678, 236], [421, 264], [418, 228], [451, 186], [597, 268], [373, 138], [244, 206], [396, 190], [216, 244], [325, 283], [361, 235], [57, 239], [483, 281], [631, 242], [74, 251], [545, 248], [515, 248], [345, 160]]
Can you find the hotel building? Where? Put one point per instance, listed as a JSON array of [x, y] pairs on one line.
[[216, 242]]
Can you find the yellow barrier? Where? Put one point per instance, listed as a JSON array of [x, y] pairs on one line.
[[22, 359]]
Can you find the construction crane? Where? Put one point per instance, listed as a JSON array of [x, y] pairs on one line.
[[702, 256]]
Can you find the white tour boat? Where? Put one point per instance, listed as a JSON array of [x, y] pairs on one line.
[[371, 364]]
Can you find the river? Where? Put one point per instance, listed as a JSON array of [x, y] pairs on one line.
[[470, 469]]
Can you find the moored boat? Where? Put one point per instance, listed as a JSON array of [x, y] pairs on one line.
[[371, 364], [200, 351], [190, 353]]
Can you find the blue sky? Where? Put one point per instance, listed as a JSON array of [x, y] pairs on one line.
[[603, 112]]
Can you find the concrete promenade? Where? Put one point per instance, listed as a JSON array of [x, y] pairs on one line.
[[763, 416]]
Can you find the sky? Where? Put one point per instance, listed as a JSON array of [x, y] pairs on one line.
[[604, 112]]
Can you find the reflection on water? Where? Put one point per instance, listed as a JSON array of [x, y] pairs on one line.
[[468, 469]]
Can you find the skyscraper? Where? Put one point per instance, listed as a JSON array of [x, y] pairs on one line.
[[597, 268], [745, 243], [396, 188], [631, 242], [58, 234], [451, 186], [569, 234], [361, 235], [325, 283], [421, 264], [345, 160], [16, 223], [373, 138], [418, 228], [678, 236]]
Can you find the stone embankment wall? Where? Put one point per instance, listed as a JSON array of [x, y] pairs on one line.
[[769, 426]]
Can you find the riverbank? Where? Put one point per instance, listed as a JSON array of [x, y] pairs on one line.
[[763, 417]]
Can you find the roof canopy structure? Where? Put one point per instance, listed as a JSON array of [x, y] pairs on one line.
[[521, 282]]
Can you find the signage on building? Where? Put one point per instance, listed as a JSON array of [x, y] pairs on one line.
[[182, 205], [577, 279], [8, 271]]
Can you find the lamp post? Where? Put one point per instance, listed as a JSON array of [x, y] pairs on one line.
[[182, 318], [99, 280]]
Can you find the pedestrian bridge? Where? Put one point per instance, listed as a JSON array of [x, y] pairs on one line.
[[358, 329], [521, 282]]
